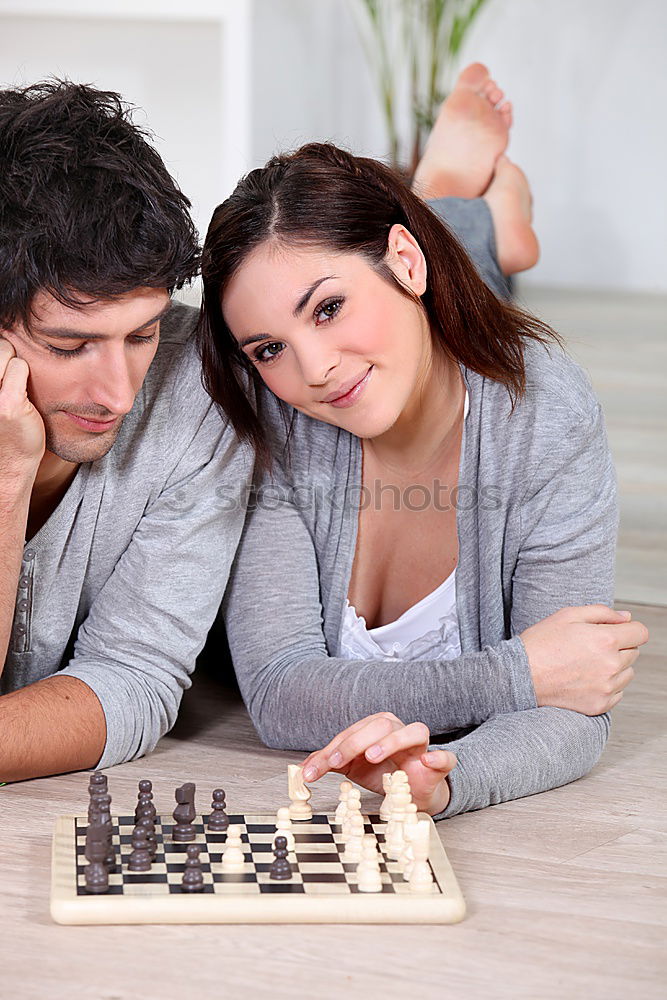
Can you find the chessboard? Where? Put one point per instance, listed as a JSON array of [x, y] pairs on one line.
[[322, 889]]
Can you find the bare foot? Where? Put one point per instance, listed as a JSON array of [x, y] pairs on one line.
[[510, 201], [470, 133]]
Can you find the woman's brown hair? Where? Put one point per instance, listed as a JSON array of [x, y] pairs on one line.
[[323, 196]]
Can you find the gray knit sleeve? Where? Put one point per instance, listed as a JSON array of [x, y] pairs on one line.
[[569, 515]]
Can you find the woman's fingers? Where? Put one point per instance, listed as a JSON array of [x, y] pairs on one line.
[[442, 761], [412, 737], [349, 744]]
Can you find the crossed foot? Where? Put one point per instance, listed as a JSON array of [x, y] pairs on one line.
[[463, 158]]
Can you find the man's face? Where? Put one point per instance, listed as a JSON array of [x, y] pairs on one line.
[[87, 365]]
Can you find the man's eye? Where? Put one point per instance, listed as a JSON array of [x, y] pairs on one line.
[[63, 353], [268, 352], [327, 310]]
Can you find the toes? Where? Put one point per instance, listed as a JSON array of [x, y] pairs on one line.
[[473, 76], [507, 112]]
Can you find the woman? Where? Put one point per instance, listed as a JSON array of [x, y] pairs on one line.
[[434, 550]]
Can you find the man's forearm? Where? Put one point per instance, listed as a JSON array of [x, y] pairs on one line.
[[13, 519], [50, 727]]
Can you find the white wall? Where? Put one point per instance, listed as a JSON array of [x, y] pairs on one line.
[[587, 78]]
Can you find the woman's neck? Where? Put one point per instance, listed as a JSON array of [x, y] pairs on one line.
[[427, 433]]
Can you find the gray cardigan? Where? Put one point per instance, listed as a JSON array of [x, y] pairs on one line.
[[537, 524]]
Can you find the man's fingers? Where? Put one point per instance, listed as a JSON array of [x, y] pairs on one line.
[[7, 352], [15, 382], [595, 614], [623, 679], [631, 635], [412, 737]]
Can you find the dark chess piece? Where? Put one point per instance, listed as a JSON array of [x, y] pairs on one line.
[[103, 817], [140, 859], [280, 868], [218, 821], [193, 877], [184, 813], [145, 794], [146, 824], [97, 785], [145, 807], [95, 872]]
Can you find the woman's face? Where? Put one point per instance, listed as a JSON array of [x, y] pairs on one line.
[[330, 336]]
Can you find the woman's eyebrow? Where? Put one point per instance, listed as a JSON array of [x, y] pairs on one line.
[[303, 301]]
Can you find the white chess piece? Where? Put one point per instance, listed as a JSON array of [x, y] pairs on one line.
[[354, 843], [421, 879], [394, 842], [353, 809], [233, 858], [299, 794], [407, 858], [369, 877], [385, 808], [341, 808], [284, 828]]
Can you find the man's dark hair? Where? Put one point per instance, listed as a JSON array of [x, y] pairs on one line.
[[87, 207]]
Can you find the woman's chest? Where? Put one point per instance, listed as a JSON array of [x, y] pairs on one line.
[[406, 543]]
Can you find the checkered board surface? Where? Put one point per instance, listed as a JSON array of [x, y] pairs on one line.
[[323, 888]]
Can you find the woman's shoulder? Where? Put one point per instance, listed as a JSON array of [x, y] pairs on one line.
[[557, 391]]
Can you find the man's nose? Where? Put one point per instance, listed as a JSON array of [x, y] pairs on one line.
[[113, 388]]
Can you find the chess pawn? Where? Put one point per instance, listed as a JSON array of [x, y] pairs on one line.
[[385, 808], [353, 846], [218, 821], [233, 858], [95, 873], [299, 794], [394, 834], [407, 857], [103, 818], [145, 789], [341, 808], [284, 828], [280, 869], [146, 824], [145, 807], [421, 878], [369, 877], [97, 785], [193, 877], [353, 809], [140, 859]]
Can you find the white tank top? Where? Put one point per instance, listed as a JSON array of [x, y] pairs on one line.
[[428, 629]]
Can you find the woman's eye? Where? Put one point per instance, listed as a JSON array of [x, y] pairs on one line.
[[327, 310], [268, 351]]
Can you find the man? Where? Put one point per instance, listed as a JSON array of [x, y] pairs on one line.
[[114, 464]]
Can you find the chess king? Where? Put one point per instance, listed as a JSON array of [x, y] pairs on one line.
[[114, 464]]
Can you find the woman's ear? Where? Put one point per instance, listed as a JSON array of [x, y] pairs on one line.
[[405, 259]]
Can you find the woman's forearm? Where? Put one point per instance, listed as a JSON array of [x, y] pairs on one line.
[[523, 753]]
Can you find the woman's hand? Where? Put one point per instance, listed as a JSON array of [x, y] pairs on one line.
[[581, 658], [366, 750]]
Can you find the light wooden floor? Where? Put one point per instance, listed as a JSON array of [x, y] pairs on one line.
[[566, 891], [621, 340]]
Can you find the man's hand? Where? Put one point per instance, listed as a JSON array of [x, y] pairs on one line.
[[22, 438], [380, 743]]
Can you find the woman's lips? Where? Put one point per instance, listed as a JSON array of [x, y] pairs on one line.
[[350, 395]]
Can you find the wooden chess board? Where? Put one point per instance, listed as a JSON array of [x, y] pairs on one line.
[[323, 888]]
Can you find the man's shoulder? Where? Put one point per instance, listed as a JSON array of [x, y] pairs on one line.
[[176, 364]]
